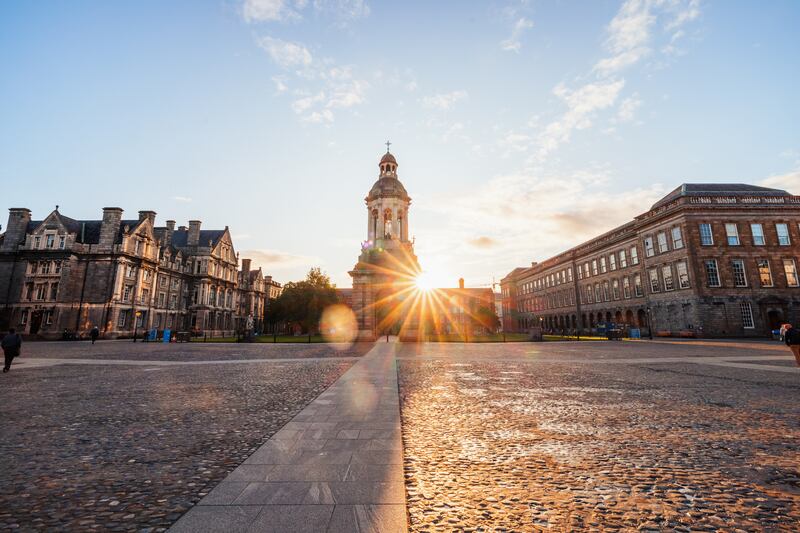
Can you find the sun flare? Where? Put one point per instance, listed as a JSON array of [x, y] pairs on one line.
[[427, 281]]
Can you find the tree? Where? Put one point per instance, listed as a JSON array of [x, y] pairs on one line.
[[302, 302], [487, 317]]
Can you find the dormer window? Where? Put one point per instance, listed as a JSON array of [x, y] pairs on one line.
[[50, 240], [37, 242], [62, 241]]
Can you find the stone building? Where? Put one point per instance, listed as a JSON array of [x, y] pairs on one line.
[[383, 277], [706, 260], [121, 275]]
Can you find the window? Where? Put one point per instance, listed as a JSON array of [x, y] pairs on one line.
[[130, 271], [140, 319], [649, 250], [605, 291], [598, 296], [162, 299], [683, 274], [712, 273], [33, 266], [44, 267], [739, 277], [23, 317], [163, 281], [580, 272], [136, 245], [603, 265], [594, 267], [50, 240], [758, 234], [626, 287], [677, 238], [126, 293], [589, 298], [783, 234], [169, 321], [57, 269], [666, 274], [637, 285], [662, 242], [41, 291], [747, 315], [764, 272], [733, 234], [634, 256], [623, 259], [706, 237], [62, 241], [48, 317], [612, 262], [37, 242], [615, 289], [173, 301], [157, 323], [654, 285], [790, 270], [53, 291], [569, 274], [145, 295], [29, 291]]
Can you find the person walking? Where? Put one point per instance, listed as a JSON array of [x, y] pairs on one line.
[[11, 345], [792, 339], [94, 333]]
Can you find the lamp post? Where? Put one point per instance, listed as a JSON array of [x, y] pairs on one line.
[[136, 316], [649, 324]]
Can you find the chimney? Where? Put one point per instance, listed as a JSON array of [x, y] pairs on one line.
[[150, 215], [460, 283], [17, 227], [245, 265], [109, 228], [169, 232], [182, 228], [194, 233]]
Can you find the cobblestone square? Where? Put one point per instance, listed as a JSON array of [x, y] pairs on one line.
[[131, 446], [565, 437]]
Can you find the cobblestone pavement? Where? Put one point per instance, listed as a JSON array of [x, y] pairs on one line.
[[497, 438], [193, 351], [131, 448]]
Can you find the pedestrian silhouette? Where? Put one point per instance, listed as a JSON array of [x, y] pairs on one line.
[[94, 334], [11, 343]]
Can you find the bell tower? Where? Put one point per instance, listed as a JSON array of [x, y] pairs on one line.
[[387, 264]]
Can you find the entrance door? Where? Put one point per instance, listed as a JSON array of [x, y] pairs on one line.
[[775, 319], [36, 322]]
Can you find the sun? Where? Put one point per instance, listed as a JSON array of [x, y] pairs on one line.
[[425, 281]]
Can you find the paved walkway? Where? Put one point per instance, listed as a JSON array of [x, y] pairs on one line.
[[337, 466]]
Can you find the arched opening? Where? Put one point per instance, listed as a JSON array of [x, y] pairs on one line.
[[774, 318], [641, 318], [618, 317], [629, 318], [608, 316]]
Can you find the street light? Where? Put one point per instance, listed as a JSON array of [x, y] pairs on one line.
[[649, 324], [136, 323]]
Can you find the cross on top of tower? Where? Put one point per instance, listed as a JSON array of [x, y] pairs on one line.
[[387, 146]]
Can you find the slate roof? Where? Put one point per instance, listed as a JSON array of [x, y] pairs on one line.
[[181, 237], [724, 189]]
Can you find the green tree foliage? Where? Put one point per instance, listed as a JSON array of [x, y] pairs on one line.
[[487, 317], [302, 302]]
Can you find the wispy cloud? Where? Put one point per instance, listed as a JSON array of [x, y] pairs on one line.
[[286, 54], [790, 181], [278, 263], [444, 101], [628, 107], [341, 11], [513, 44], [582, 105], [254, 11], [184, 199], [280, 84]]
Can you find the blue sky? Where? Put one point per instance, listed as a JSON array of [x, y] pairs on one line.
[[521, 128]]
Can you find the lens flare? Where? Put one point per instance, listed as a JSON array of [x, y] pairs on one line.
[[338, 324], [425, 282]]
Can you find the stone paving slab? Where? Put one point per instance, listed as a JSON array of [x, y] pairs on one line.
[[336, 466]]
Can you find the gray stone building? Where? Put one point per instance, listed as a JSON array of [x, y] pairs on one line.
[[706, 260], [122, 275]]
